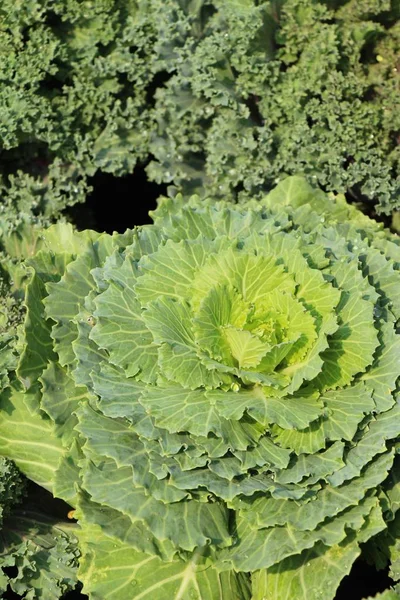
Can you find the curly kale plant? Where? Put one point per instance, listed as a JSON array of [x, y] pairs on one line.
[[224, 96], [258, 89], [38, 553], [215, 394], [74, 80]]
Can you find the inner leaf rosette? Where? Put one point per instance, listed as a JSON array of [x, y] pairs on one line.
[[223, 385]]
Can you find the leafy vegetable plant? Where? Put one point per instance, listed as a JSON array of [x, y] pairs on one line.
[[215, 394], [262, 89], [38, 549], [38, 552], [223, 97]]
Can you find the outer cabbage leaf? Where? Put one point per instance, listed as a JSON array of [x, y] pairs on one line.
[[113, 569]]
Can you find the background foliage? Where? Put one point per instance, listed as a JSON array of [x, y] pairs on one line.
[[223, 97]]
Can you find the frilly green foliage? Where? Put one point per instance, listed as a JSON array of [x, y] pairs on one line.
[[261, 89], [41, 551], [216, 395], [11, 487], [225, 97], [73, 84]]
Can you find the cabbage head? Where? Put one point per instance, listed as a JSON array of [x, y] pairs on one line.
[[215, 394]]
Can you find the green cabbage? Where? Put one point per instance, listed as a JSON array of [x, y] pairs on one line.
[[215, 394]]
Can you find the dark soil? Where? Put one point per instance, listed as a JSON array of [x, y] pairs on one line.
[[117, 203]]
